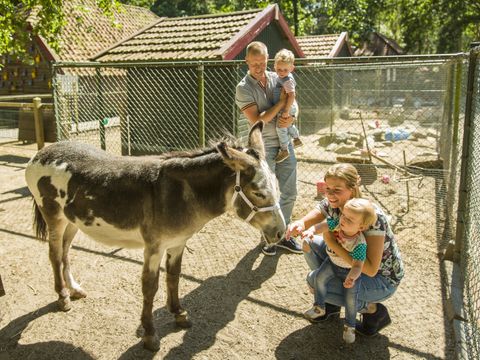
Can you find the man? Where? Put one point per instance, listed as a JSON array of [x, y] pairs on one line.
[[254, 97]]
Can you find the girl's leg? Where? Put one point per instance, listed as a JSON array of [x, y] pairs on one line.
[[351, 297]]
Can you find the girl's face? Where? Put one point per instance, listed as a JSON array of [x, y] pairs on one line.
[[337, 192], [283, 69], [351, 222]]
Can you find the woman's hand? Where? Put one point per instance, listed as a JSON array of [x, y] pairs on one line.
[[294, 229]]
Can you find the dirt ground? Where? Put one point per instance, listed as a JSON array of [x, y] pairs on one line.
[[243, 304]]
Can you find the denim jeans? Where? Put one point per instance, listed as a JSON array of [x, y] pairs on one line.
[[285, 134], [320, 279], [370, 290], [286, 173]]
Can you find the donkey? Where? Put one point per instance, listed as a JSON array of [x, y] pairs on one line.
[[157, 203]]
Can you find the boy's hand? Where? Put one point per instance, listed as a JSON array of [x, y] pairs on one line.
[[285, 115]]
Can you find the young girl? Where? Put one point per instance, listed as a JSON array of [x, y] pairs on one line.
[[383, 267], [358, 215]]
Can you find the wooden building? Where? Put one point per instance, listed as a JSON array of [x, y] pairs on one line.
[[153, 94]]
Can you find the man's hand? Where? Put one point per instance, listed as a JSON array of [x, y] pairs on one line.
[[284, 122]]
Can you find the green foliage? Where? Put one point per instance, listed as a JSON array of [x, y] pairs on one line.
[[421, 26], [21, 20]]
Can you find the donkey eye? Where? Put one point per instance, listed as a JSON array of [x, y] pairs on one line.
[[259, 195]]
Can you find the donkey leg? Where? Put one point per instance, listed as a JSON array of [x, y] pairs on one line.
[[76, 292], [151, 268], [174, 267], [55, 239]]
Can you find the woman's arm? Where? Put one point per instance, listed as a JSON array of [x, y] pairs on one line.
[[374, 252]]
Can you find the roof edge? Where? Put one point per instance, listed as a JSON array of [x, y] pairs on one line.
[[291, 37], [104, 51], [272, 12], [343, 38], [233, 47], [51, 55]]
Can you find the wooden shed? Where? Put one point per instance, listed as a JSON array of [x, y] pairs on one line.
[[379, 45], [155, 119]]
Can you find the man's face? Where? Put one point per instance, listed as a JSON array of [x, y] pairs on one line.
[[257, 65]]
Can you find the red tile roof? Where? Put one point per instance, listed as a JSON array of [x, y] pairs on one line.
[[89, 31], [322, 45], [208, 37]]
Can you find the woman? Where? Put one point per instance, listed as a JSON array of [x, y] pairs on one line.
[[383, 267]]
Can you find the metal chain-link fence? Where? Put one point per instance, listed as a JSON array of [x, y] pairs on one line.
[[398, 120], [468, 238]]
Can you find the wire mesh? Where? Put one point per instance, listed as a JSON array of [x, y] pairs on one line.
[[406, 113], [471, 238], [399, 122]]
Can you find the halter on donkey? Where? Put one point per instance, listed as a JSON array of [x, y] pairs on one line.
[[157, 203]]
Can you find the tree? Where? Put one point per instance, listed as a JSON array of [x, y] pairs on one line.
[[21, 20]]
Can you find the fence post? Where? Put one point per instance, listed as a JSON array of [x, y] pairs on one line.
[[38, 118], [201, 105], [99, 100], [465, 165]]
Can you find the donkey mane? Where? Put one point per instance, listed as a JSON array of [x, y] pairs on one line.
[[228, 139]]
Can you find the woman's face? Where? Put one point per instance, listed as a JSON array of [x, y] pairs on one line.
[[337, 192]]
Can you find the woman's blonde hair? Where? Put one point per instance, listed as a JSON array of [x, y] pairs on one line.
[[347, 173], [365, 208]]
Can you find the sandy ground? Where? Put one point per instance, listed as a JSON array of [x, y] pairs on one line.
[[243, 305]]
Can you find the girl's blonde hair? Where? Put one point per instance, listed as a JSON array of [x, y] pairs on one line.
[[347, 173], [365, 208]]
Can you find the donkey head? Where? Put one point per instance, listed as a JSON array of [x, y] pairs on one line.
[[256, 194]]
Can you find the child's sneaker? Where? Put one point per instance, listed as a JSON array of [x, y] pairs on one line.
[[314, 312], [348, 334], [282, 155], [297, 142]]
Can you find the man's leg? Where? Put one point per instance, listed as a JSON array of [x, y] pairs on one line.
[[286, 173]]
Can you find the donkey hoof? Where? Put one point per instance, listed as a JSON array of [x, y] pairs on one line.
[[78, 294], [151, 343], [182, 320], [65, 304]]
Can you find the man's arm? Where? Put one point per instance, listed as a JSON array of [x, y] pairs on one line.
[[252, 114]]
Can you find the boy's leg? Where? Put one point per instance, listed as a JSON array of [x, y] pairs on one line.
[[293, 132], [283, 137]]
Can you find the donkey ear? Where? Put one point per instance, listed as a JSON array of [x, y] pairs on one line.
[[255, 140], [234, 159]]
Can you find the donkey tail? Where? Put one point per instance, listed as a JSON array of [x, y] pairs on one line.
[[39, 223]]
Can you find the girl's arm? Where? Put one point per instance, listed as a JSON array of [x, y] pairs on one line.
[[353, 274], [374, 252]]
